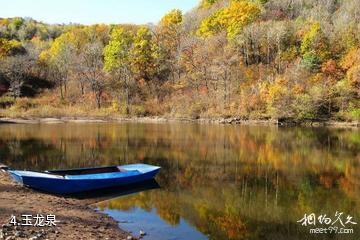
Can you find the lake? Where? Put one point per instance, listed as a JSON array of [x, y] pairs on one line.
[[217, 181]]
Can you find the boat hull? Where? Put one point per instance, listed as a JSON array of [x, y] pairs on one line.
[[85, 183]]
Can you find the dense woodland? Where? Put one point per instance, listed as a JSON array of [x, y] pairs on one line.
[[252, 59]]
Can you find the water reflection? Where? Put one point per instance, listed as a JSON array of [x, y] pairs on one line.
[[100, 195], [220, 182]]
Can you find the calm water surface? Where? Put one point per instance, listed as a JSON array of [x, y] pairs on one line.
[[217, 182]]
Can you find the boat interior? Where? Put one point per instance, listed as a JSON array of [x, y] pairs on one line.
[[83, 171]]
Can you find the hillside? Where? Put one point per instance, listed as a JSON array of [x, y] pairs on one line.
[[292, 59]]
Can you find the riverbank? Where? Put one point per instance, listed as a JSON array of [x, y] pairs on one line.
[[76, 219], [234, 120]]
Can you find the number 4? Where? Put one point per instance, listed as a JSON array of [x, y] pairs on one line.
[[13, 220]]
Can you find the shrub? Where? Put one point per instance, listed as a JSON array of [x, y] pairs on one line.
[[153, 107], [137, 110], [311, 61], [6, 102], [355, 114], [24, 103], [304, 107]]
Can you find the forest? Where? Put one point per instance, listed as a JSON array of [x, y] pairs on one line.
[[250, 59]]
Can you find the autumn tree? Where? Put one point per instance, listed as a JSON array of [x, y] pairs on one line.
[[10, 48], [143, 54], [91, 66], [59, 58], [351, 64], [16, 69], [264, 42], [169, 37], [314, 47], [207, 3], [280, 99], [224, 68], [230, 19], [117, 60], [25, 29], [196, 61], [78, 38]]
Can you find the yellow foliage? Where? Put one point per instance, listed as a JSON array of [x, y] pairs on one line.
[[290, 54], [174, 17], [4, 22], [61, 43], [316, 78], [315, 42], [8, 47], [230, 19], [276, 92], [207, 3]]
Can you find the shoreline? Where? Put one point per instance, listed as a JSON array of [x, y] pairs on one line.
[[225, 121], [77, 219]]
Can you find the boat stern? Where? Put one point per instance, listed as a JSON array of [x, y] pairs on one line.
[[141, 167]]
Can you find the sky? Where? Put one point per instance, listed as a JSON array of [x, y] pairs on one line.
[[93, 11]]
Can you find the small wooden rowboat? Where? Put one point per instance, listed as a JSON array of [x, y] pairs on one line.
[[85, 179]]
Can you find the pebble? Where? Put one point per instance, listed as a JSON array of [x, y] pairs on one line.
[[142, 233], [129, 238], [9, 232]]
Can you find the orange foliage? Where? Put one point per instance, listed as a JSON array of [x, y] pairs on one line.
[[298, 89], [331, 68], [350, 59]]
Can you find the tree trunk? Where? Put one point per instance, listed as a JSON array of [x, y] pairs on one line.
[[65, 88], [82, 88], [61, 92], [98, 99], [127, 98]]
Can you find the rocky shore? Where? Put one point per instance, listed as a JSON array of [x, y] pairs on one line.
[[233, 120], [76, 219]]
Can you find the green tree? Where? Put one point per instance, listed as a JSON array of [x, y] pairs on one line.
[[314, 47]]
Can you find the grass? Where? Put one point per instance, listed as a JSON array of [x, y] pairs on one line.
[[51, 106]]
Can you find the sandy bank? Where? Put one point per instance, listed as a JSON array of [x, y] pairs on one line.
[[76, 219]]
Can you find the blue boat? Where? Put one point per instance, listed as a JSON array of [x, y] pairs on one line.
[[72, 181]]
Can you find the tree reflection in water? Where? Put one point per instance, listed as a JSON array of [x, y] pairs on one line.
[[228, 182]]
